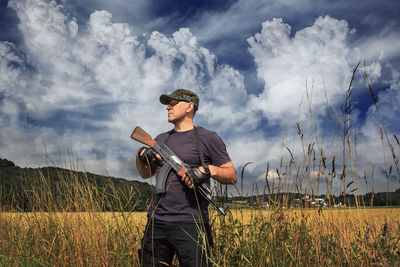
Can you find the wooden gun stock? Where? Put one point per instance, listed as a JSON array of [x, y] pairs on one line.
[[143, 137]]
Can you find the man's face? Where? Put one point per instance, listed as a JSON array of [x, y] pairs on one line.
[[177, 110]]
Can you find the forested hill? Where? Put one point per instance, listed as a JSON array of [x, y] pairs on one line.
[[58, 189]]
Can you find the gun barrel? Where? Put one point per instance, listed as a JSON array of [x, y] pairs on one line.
[[201, 189]]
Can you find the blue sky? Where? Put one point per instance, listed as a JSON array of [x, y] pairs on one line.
[[80, 75]]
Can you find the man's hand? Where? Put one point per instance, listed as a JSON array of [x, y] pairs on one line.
[[195, 176], [146, 161], [148, 155], [224, 173]]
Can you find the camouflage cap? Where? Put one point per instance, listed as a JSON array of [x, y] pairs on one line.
[[182, 95]]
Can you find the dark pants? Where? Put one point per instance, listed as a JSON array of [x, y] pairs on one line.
[[162, 240]]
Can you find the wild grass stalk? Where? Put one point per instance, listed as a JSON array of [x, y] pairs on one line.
[[67, 223], [244, 237]]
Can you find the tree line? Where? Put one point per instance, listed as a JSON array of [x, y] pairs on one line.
[[59, 189]]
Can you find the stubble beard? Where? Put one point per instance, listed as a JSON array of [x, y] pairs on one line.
[[175, 120]]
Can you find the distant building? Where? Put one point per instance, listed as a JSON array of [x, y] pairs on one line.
[[240, 202], [339, 205], [306, 200]]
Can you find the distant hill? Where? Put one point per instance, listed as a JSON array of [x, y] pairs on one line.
[[58, 189], [53, 188]]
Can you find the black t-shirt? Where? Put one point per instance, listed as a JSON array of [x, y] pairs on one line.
[[179, 203]]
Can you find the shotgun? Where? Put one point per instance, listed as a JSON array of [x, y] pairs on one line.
[[173, 162]]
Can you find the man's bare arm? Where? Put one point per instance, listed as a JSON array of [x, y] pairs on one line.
[[225, 173]]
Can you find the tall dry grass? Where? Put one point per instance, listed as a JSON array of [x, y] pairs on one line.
[[80, 235], [69, 239], [308, 238], [242, 238], [314, 163]]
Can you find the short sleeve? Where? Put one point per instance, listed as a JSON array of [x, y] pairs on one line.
[[217, 150]]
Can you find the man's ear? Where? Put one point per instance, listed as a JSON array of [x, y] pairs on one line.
[[190, 107]]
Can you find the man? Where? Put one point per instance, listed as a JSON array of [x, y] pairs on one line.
[[178, 221]]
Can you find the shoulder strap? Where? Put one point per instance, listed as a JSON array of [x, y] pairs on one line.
[[169, 135], [200, 149]]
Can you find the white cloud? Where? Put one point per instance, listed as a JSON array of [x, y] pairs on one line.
[[104, 80], [225, 105], [11, 68], [313, 56], [242, 17], [105, 64], [384, 46], [374, 148], [373, 70]]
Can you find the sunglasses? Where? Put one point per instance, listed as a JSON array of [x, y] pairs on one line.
[[173, 102]]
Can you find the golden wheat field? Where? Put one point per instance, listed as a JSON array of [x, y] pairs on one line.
[[358, 236], [349, 222], [350, 237]]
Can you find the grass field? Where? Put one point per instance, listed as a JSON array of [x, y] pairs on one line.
[[356, 237]]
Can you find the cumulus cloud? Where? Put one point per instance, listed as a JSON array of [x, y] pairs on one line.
[[380, 127], [84, 87], [104, 68], [314, 56], [386, 45]]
